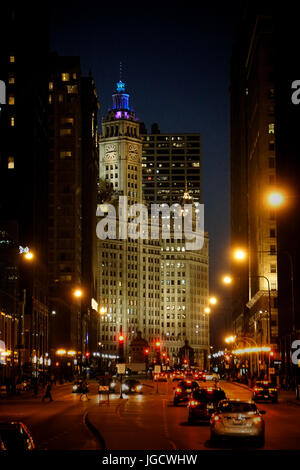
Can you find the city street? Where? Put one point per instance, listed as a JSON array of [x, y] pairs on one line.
[[138, 422]]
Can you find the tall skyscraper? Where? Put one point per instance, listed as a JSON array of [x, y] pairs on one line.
[[253, 175], [73, 176], [128, 269], [172, 174], [23, 177]]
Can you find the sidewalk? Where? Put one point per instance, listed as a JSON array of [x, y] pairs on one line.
[[288, 396]]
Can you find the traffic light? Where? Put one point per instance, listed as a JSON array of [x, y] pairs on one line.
[[157, 349], [121, 340]]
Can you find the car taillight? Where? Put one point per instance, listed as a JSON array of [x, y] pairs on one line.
[[257, 420], [178, 390], [193, 403], [216, 418]]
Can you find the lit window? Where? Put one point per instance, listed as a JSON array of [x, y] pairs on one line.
[[11, 79], [65, 131], [50, 99], [11, 99], [271, 128], [64, 121], [65, 154], [60, 98], [11, 163], [65, 77], [50, 85], [11, 59], [74, 76], [72, 89], [12, 121]]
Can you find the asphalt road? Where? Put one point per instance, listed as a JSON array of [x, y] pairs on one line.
[[147, 421]]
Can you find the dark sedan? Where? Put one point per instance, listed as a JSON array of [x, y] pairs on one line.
[[203, 403], [265, 391], [184, 390]]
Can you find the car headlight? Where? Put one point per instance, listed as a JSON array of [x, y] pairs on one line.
[[139, 387], [113, 384], [75, 387], [125, 387]]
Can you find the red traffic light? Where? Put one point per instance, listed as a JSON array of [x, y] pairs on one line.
[[121, 339], [146, 351], [87, 354], [185, 361], [157, 344], [164, 354]]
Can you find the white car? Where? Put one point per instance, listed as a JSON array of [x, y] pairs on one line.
[[212, 376]]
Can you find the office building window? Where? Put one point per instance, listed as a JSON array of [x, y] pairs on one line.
[[11, 99], [11, 163], [65, 154], [12, 121], [11, 79], [12, 59], [271, 128], [65, 77]]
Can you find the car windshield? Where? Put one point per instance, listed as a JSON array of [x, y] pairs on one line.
[[207, 396], [13, 439], [237, 407]]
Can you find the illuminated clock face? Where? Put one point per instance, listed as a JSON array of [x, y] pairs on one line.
[[110, 151], [133, 151]]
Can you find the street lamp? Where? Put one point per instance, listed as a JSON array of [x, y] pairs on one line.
[[78, 293], [207, 310], [275, 199], [227, 279], [213, 300], [239, 254]]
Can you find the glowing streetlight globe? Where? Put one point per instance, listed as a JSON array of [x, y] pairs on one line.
[[275, 199], [207, 310], [227, 279], [77, 293], [213, 301], [239, 254]]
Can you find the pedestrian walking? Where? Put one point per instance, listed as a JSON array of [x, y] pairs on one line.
[[48, 392], [84, 389]]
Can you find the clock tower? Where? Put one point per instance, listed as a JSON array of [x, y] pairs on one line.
[[121, 148]]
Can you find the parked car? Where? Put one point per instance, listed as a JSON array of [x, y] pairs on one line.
[[237, 419], [15, 436]]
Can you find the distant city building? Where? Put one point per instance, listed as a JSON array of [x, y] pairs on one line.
[[128, 270], [169, 162], [172, 174]]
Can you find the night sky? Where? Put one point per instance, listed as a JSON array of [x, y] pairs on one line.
[[176, 68]]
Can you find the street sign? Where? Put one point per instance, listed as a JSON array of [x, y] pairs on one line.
[[272, 370], [157, 369], [121, 368]]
